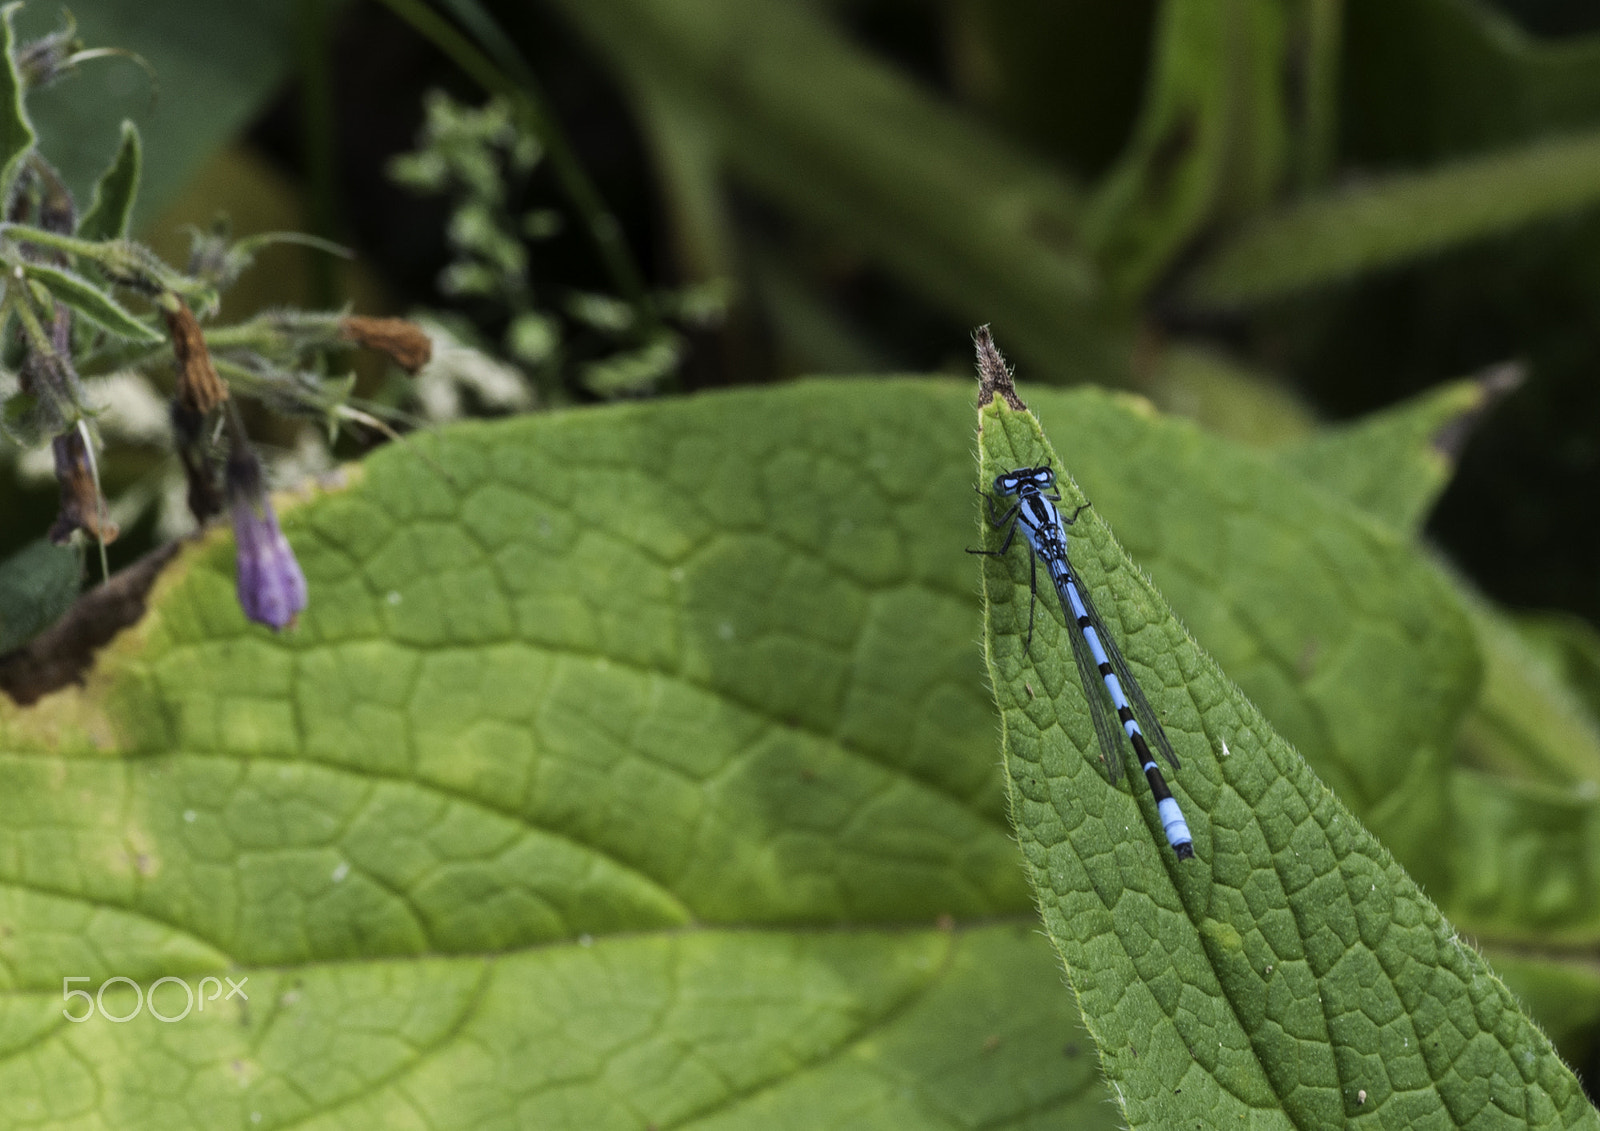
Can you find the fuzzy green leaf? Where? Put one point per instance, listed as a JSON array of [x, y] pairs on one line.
[[1529, 748], [1563, 994], [1524, 792], [111, 207], [1291, 965], [91, 302]]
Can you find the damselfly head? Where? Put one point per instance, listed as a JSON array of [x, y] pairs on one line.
[[1037, 478]]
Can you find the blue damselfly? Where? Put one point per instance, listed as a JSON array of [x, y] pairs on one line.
[[1100, 663]]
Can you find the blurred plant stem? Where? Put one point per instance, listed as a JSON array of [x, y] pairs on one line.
[[318, 142]]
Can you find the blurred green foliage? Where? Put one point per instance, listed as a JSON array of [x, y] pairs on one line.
[[1352, 200]]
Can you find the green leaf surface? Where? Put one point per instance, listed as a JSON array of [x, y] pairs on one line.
[[1400, 218], [1291, 965], [1335, 625], [1524, 787], [636, 765], [16, 132], [628, 767], [1395, 464], [1565, 996], [91, 302], [111, 207], [1523, 790]]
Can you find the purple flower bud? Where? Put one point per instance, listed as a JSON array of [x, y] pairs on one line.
[[272, 590]]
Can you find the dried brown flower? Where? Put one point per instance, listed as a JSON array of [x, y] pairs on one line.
[[199, 388], [404, 341], [81, 505]]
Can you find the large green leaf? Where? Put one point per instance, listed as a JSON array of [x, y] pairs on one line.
[[1291, 965], [628, 767], [636, 765], [1529, 748], [1523, 856]]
